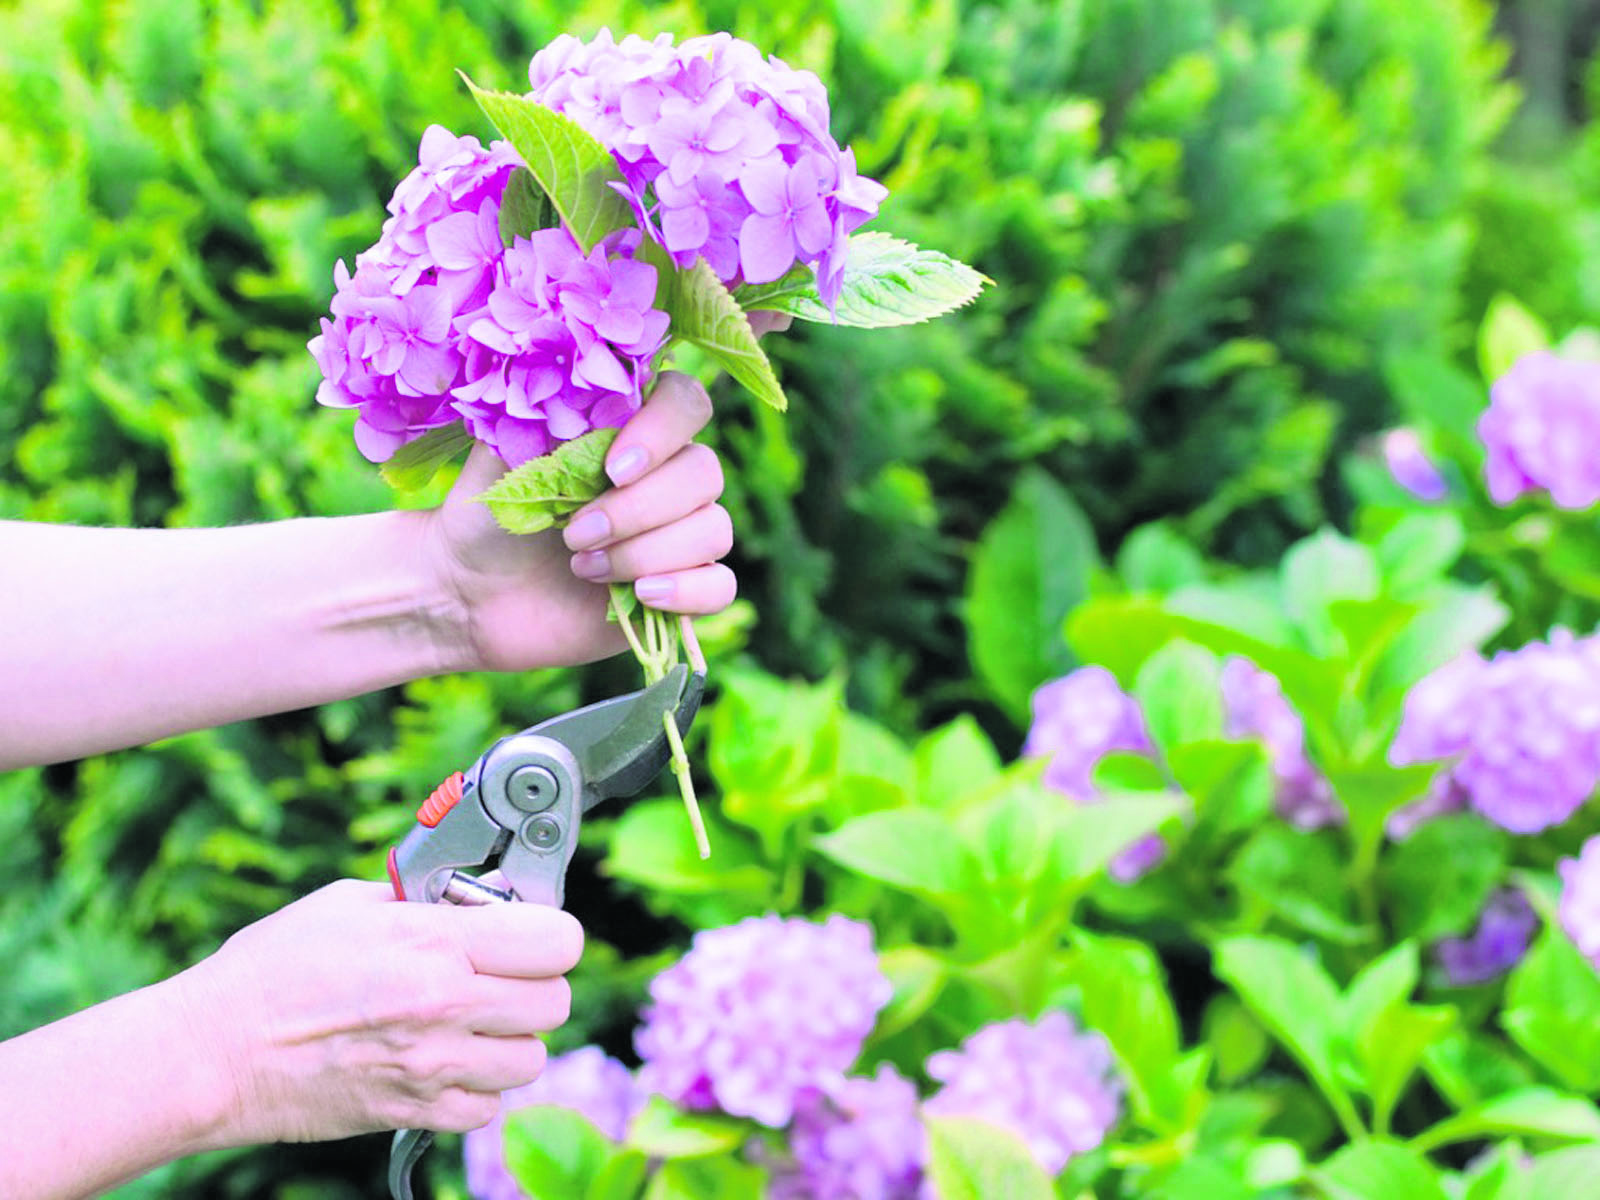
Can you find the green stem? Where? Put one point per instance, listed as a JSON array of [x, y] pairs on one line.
[[680, 768]]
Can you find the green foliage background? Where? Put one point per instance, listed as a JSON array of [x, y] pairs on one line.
[[1211, 223]]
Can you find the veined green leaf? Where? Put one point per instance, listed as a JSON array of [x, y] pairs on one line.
[[575, 169], [543, 490], [705, 313], [525, 207], [886, 282], [411, 466]]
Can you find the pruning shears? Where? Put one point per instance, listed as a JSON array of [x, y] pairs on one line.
[[518, 810]]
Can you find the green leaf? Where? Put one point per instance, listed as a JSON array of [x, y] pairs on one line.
[[1031, 567], [1298, 877], [1508, 332], [1535, 1112], [1390, 1048], [1319, 571], [1088, 836], [553, 1153], [1468, 1067], [661, 1131], [953, 763], [907, 848], [1433, 392], [573, 168], [1239, 1045], [918, 976], [886, 282], [1123, 995], [1367, 1170], [970, 1159], [543, 490], [1437, 880], [1420, 547], [1231, 783], [414, 464], [1157, 558], [719, 1178], [651, 845], [1457, 618], [1551, 999], [705, 313], [525, 207], [1564, 1173], [1179, 690], [1296, 1000], [1384, 982]]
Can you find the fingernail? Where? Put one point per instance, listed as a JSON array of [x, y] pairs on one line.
[[588, 529], [653, 588], [627, 466], [591, 564]]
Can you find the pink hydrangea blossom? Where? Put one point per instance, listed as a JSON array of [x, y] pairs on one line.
[[1255, 707], [1541, 431]]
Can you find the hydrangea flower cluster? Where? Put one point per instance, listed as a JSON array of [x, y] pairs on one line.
[[731, 146], [1051, 1085], [1521, 731], [1254, 707], [1540, 430], [1410, 466], [1579, 909], [758, 1012], [531, 345], [1505, 929], [586, 1080], [856, 1137], [1078, 720]]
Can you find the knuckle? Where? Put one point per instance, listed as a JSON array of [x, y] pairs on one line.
[[721, 530], [458, 1110], [707, 465], [557, 1004]]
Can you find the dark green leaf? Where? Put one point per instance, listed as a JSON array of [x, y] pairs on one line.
[[525, 207], [1030, 568], [1437, 880], [571, 166]]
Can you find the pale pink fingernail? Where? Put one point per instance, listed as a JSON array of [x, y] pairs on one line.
[[653, 588], [591, 564], [588, 529], [627, 466]]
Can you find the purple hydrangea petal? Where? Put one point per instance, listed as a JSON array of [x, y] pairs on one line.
[[1504, 931], [1411, 467], [1254, 706], [1579, 907], [1541, 431]]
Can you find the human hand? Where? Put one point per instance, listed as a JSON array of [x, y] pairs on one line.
[[349, 1012]]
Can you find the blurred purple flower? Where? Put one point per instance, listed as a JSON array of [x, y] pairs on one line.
[[1411, 467], [1542, 431], [1521, 731], [1254, 707], [756, 1013], [734, 146], [1505, 929], [1078, 720], [1051, 1085], [856, 1138], [587, 1081], [1579, 908]]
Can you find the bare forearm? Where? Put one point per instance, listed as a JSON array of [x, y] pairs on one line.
[[108, 1094], [116, 637]]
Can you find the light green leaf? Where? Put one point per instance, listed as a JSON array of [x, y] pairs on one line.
[[918, 976], [1367, 1170], [1508, 332], [1384, 982], [553, 1152], [1420, 547], [1551, 999], [651, 845], [1432, 391], [1527, 1112], [543, 490], [953, 762], [719, 1178], [1390, 1048], [973, 1160], [886, 282], [1157, 558], [1294, 997], [1179, 692], [1030, 569], [1437, 880], [525, 207], [661, 1131], [574, 169], [908, 848], [1563, 1173], [1319, 571], [705, 313], [1298, 877], [1123, 992], [1089, 836], [411, 466]]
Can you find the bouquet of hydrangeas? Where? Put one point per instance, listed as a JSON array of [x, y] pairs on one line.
[[645, 194]]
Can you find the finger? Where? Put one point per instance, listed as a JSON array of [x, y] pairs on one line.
[[698, 592], [497, 1064], [678, 408], [704, 536], [523, 941], [764, 321], [455, 1111], [504, 1007], [689, 480]]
